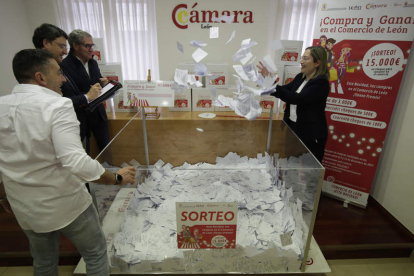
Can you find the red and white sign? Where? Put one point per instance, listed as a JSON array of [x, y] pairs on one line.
[[145, 93], [290, 52], [206, 225], [367, 48]]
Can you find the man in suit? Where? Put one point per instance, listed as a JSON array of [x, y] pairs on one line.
[[85, 73], [54, 39]]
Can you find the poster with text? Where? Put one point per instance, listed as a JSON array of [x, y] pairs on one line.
[[206, 225], [148, 93], [367, 45]]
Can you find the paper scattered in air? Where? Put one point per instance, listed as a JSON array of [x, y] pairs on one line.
[[214, 32], [180, 47], [197, 43], [276, 45], [227, 19], [199, 129], [198, 55], [233, 34], [270, 65]]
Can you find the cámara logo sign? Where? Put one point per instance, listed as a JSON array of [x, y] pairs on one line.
[[181, 16]]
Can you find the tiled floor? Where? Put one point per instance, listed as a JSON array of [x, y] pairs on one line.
[[360, 267]]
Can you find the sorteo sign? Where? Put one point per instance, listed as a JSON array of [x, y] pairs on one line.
[[182, 16]]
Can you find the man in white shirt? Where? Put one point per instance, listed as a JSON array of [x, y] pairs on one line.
[[44, 167]]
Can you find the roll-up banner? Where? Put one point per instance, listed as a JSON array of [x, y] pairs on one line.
[[367, 44]]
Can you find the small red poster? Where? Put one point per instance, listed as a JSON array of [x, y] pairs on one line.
[[206, 225]]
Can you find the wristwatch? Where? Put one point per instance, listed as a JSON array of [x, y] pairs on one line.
[[118, 179]]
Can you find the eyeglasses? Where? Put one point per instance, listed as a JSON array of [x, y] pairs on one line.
[[304, 58], [89, 46], [62, 46]]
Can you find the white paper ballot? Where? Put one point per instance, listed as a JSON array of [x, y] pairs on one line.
[[268, 81], [180, 47], [270, 65], [181, 76], [240, 71], [199, 129], [207, 115], [198, 55], [197, 43], [198, 84], [214, 32], [249, 45], [240, 54], [276, 45], [246, 58], [246, 41], [233, 34], [227, 19]]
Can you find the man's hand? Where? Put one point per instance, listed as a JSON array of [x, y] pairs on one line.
[[94, 92], [6, 205], [263, 70], [103, 81], [128, 175]]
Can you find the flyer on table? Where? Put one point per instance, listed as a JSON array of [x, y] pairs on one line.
[[367, 45], [203, 225]]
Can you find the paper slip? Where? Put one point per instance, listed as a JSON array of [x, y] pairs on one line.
[[240, 54], [207, 115], [270, 65], [249, 45], [240, 71], [180, 76], [286, 239], [197, 43], [180, 47], [227, 19], [198, 55], [246, 58], [246, 41], [214, 32], [276, 45], [233, 34]]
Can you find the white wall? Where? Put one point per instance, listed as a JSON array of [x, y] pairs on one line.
[[218, 52], [15, 35], [19, 18], [39, 12], [393, 184]]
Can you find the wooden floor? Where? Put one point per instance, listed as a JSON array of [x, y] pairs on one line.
[[341, 234]]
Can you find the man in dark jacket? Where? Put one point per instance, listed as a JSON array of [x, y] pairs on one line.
[[84, 71]]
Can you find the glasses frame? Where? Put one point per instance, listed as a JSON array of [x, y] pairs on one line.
[[88, 46], [62, 46]]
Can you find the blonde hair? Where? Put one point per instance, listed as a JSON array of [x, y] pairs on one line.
[[319, 53]]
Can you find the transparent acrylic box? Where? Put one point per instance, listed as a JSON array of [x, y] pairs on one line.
[[152, 247]]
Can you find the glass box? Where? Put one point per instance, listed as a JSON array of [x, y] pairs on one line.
[[260, 164]]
